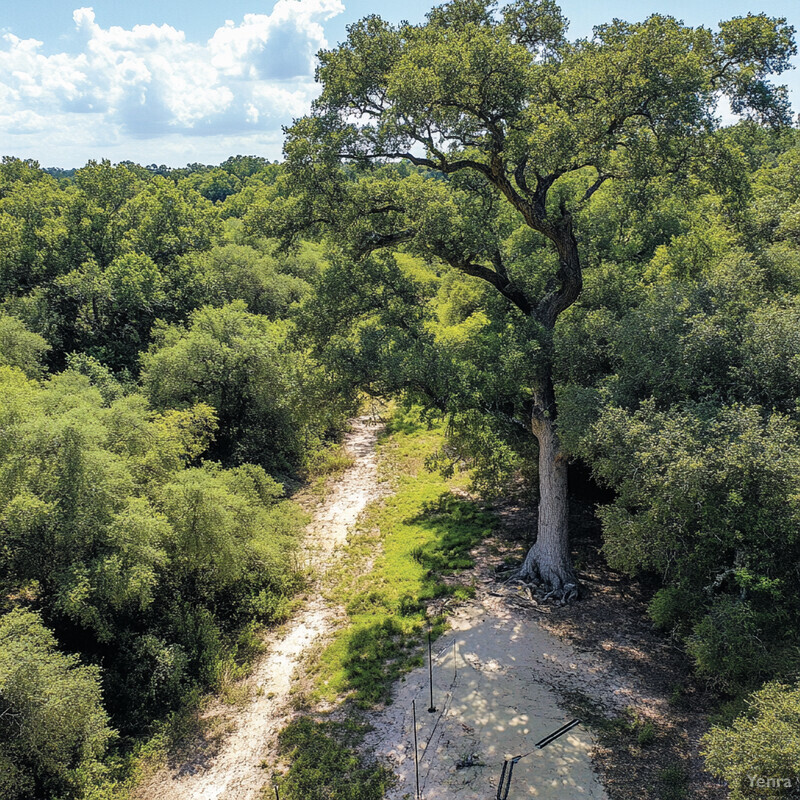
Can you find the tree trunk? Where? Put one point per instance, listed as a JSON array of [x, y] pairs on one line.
[[548, 561]]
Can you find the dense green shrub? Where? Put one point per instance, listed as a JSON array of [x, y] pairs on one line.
[[709, 498], [727, 644], [53, 729], [134, 552], [762, 743], [267, 394], [670, 606]]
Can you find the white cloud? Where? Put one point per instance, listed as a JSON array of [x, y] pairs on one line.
[[150, 85]]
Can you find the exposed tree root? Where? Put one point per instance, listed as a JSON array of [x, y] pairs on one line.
[[540, 592]]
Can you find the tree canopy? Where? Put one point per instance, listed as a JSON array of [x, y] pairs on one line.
[[552, 244], [515, 132]]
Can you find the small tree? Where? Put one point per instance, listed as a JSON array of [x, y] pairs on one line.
[[512, 127], [267, 395]]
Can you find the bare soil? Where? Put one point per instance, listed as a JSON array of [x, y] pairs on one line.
[[493, 702]]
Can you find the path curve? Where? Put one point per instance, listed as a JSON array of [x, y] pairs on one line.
[[233, 771]]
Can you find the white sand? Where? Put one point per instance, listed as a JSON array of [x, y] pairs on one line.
[[494, 709]]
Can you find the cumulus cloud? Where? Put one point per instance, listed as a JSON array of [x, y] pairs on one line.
[[150, 82]]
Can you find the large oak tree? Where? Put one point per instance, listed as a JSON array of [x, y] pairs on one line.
[[511, 125]]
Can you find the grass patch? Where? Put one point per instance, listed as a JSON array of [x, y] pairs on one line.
[[672, 784], [414, 541], [330, 459], [646, 734], [325, 763]]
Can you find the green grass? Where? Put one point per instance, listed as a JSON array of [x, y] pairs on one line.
[[330, 460], [325, 763], [646, 734], [403, 560], [414, 540], [672, 784]]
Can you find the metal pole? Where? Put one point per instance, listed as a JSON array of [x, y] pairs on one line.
[[416, 756], [504, 785], [508, 765], [455, 660], [432, 708], [502, 780], [277, 796], [555, 734]]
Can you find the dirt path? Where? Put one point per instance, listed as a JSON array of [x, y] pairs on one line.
[[228, 766]]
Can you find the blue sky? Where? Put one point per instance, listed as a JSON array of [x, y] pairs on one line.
[[173, 81]]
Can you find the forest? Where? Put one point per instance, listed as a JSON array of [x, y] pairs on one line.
[[594, 285]]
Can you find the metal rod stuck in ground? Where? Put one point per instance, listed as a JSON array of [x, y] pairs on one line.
[[505, 777], [432, 708], [508, 765], [416, 755]]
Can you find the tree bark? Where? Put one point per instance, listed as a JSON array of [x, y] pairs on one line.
[[548, 561]]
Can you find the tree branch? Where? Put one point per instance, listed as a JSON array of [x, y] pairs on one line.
[[601, 179], [496, 279]]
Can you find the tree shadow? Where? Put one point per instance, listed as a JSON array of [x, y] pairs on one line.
[[458, 524], [387, 641]]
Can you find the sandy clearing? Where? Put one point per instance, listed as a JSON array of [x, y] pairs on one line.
[[495, 707], [232, 769]]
